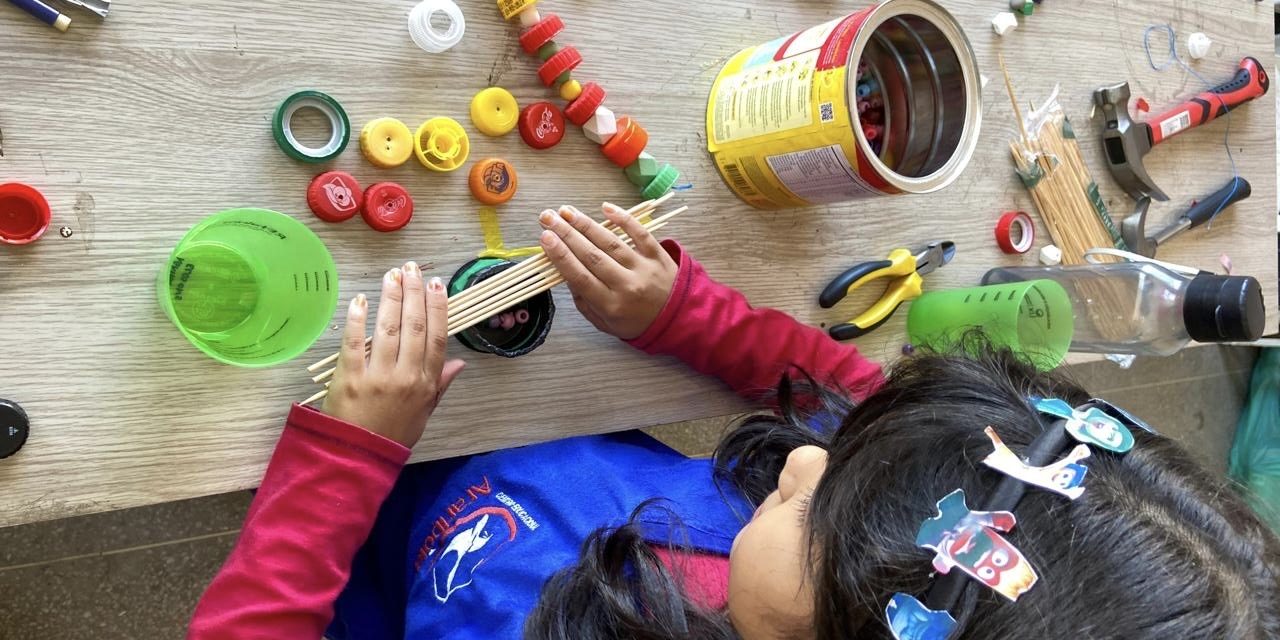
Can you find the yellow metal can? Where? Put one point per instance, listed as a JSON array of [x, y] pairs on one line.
[[786, 126]]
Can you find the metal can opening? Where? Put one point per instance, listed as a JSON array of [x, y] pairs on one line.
[[911, 78]]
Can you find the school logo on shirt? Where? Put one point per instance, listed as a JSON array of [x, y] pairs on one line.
[[473, 529]]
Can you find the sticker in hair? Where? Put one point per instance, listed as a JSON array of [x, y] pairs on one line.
[[968, 540], [1065, 476], [909, 619], [1091, 426]]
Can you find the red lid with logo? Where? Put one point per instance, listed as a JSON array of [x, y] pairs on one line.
[[334, 196], [541, 125], [387, 206], [24, 213]]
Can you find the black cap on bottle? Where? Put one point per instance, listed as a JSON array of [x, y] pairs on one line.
[[1224, 308], [13, 428]]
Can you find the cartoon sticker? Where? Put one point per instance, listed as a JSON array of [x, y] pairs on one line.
[[1090, 426], [909, 619], [1065, 476], [968, 540]]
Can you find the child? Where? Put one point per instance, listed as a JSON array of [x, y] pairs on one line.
[[509, 543]]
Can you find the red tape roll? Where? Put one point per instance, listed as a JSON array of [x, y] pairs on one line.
[[1026, 232]]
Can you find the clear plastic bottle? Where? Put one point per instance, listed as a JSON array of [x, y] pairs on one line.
[[1143, 308]]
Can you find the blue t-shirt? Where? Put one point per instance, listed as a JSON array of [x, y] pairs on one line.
[[462, 547]]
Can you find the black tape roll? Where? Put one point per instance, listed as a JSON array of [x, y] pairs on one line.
[[508, 343]]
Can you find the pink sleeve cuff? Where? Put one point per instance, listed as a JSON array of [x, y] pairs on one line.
[[675, 302], [349, 436]]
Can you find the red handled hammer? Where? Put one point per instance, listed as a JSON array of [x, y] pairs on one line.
[[1127, 142]]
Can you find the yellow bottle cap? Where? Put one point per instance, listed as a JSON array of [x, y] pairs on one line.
[[512, 8], [494, 111], [386, 143], [441, 144]]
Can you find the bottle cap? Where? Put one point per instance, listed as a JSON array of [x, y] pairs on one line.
[[1224, 308], [334, 196], [24, 213], [13, 428], [387, 206]]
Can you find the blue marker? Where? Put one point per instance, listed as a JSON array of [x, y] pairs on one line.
[[45, 13]]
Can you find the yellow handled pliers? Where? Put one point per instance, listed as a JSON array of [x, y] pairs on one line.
[[905, 266]]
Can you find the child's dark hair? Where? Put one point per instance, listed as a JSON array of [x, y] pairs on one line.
[[1155, 548]]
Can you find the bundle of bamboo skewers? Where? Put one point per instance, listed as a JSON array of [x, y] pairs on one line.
[[1049, 162], [531, 277]]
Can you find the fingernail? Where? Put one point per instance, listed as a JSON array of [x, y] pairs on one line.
[[546, 217], [362, 301], [396, 276], [567, 214], [436, 284], [548, 238]]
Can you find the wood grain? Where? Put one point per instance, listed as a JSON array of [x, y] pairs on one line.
[[138, 127]]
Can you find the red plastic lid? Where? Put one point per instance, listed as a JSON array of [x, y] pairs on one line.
[[584, 106], [541, 33], [387, 206], [24, 213], [564, 60], [334, 196], [541, 125]]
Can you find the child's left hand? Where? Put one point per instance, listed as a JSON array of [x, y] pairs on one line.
[[395, 389]]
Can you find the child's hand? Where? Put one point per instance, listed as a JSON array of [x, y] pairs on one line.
[[394, 390], [621, 290]]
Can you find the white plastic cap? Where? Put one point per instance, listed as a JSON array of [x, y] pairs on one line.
[[1050, 255], [1004, 22], [1198, 45]]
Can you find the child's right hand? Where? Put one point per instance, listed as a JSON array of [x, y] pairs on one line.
[[395, 388], [619, 289]]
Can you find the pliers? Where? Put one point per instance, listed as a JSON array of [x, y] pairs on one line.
[[905, 266]]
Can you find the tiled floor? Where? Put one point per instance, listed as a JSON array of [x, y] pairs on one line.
[[136, 574]]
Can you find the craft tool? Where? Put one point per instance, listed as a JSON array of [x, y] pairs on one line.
[[1127, 142], [44, 13], [1134, 227], [905, 269], [99, 8], [517, 284], [339, 127], [766, 150]]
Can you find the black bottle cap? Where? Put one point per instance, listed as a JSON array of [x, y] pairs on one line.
[[1224, 308], [13, 428]]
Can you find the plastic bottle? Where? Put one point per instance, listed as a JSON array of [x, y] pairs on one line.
[[1144, 308]]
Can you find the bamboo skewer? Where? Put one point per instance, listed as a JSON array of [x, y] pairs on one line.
[[525, 268], [538, 277]]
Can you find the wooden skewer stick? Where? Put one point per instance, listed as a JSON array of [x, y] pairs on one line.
[[523, 268], [519, 292]]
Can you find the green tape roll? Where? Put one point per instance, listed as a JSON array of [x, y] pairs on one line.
[[339, 125], [662, 183]]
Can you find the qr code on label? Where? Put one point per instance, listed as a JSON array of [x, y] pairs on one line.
[[827, 112]]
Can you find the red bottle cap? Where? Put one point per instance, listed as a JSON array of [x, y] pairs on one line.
[[584, 106], [334, 196], [387, 206], [564, 60], [627, 144], [24, 213], [541, 33], [541, 125]]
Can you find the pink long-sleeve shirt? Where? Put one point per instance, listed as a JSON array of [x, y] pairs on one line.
[[327, 478]]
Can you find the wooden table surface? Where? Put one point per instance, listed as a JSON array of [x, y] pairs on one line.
[[138, 127]]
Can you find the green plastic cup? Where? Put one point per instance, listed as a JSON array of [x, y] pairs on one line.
[[1033, 318], [249, 287]]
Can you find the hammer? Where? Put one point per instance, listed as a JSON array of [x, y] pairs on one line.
[[1134, 227], [1127, 142]]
